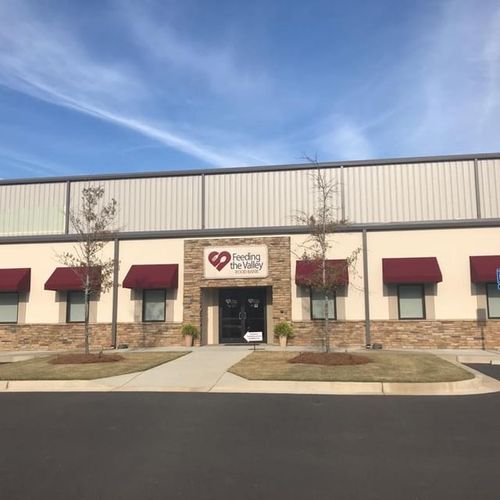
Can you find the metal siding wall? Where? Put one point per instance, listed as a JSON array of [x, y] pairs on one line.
[[30, 209], [410, 192], [260, 199], [150, 204], [489, 188]]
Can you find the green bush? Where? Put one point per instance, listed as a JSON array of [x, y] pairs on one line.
[[283, 329], [189, 329]]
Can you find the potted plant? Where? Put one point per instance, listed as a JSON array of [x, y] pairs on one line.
[[283, 331], [189, 332]]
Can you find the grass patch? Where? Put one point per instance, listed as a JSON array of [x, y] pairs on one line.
[[43, 369], [385, 367]]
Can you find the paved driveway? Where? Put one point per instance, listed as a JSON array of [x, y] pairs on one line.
[[226, 447]]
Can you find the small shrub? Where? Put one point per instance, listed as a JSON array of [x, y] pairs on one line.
[[283, 329], [189, 329]]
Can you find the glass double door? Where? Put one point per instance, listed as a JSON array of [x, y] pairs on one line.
[[241, 310]]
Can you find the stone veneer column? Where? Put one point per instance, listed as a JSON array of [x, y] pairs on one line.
[[279, 276]]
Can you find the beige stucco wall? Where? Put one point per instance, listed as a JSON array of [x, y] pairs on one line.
[[349, 305], [455, 296], [164, 251], [45, 306]]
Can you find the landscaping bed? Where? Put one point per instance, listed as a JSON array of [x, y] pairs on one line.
[[50, 367], [387, 366]]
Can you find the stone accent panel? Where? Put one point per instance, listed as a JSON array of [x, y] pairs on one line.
[[278, 279], [437, 334], [402, 334], [47, 337], [343, 334]]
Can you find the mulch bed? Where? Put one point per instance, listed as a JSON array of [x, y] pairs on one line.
[[79, 359], [330, 358]]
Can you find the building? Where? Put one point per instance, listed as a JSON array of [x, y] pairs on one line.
[[218, 248]]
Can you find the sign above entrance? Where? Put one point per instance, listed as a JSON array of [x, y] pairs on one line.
[[235, 262]]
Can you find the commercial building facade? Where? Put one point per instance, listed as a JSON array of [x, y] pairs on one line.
[[221, 249]]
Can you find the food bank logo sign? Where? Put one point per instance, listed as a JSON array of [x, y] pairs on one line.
[[235, 262]]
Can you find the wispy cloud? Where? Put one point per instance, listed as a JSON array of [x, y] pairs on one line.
[[19, 164], [43, 61], [218, 66]]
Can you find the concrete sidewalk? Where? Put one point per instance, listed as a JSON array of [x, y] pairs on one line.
[[205, 370]]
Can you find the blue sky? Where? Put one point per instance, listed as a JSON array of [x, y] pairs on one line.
[[117, 86]]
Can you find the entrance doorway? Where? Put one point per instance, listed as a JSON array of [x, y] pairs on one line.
[[241, 310]]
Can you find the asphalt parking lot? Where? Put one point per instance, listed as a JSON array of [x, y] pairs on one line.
[[224, 446], [488, 369]]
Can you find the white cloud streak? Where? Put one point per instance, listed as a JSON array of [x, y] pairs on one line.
[[45, 62]]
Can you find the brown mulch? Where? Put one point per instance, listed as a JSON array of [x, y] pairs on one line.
[[330, 358], [79, 359]]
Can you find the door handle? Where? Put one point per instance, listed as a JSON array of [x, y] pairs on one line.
[[242, 315]]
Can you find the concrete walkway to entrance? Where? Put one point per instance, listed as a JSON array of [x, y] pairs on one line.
[[204, 369], [200, 370]]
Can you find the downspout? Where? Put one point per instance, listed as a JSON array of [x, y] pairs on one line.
[[368, 338], [114, 313]]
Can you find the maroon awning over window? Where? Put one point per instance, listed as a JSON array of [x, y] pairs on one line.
[[15, 280], [309, 272], [483, 268], [411, 270], [69, 278], [152, 276]]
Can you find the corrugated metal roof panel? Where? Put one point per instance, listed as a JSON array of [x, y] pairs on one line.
[[150, 204], [262, 199], [489, 188], [411, 192], [29, 209]]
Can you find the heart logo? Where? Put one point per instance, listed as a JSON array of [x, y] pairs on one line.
[[219, 259]]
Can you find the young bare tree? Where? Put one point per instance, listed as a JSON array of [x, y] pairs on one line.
[[324, 276], [93, 226]]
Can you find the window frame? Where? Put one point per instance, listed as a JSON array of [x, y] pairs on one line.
[[17, 309], [488, 300], [333, 298], [68, 303], [424, 312], [144, 291]]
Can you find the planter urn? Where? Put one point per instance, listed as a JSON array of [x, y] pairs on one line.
[[283, 341], [188, 340]]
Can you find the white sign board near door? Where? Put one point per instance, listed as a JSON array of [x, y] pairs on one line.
[[235, 262]]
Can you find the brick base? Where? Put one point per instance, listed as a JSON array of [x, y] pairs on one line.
[[402, 334], [436, 334], [45, 337], [344, 334]]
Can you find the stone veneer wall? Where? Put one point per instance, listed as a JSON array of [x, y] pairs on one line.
[[436, 334], [279, 276], [403, 334], [47, 337], [343, 334]]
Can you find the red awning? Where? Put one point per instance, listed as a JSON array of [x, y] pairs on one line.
[[15, 280], [483, 268], [152, 276], [69, 278], [309, 272], [411, 270]]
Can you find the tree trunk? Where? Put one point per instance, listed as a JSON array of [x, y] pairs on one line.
[[87, 332], [326, 324]]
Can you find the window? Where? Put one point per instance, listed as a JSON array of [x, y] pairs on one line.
[[75, 307], [318, 305], [8, 307], [153, 305], [493, 296], [411, 301]]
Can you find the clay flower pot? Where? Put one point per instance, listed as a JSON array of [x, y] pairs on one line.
[[188, 340], [283, 341]]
